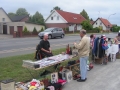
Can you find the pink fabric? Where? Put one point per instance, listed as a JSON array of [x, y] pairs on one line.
[[92, 42], [33, 83], [61, 81]]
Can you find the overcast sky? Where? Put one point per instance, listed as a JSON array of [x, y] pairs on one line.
[[94, 8]]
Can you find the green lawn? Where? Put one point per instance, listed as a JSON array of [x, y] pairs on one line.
[[11, 67]]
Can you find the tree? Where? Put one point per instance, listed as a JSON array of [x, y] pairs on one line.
[[34, 30], [37, 18], [11, 14], [91, 19], [42, 29], [56, 8], [86, 25], [84, 14], [21, 11], [115, 28], [25, 31]]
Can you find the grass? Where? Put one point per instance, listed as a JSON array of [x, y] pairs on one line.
[[11, 67]]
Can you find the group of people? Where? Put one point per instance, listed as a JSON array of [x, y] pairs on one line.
[[83, 50]]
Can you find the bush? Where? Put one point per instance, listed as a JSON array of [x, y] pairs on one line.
[[34, 30], [66, 29], [42, 29], [97, 29], [25, 31], [86, 25]]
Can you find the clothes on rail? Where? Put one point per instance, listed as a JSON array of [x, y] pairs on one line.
[[99, 47]]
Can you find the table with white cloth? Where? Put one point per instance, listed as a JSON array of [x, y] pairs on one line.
[[113, 49], [46, 62]]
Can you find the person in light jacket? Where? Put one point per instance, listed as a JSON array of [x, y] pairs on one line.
[[83, 52]]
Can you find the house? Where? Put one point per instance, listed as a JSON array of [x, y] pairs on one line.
[[103, 23], [63, 19], [15, 24], [22, 18]]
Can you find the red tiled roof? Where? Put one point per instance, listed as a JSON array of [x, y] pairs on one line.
[[106, 22], [71, 17]]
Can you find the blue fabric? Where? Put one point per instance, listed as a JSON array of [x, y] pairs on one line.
[[83, 67], [103, 46], [95, 45]]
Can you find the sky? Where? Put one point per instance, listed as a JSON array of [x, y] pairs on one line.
[[94, 8]]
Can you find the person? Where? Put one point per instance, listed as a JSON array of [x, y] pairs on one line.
[[83, 51], [44, 45], [92, 38]]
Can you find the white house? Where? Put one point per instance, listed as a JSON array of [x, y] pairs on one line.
[[104, 23], [63, 19]]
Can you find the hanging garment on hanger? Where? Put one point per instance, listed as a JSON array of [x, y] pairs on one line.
[[101, 50], [95, 46]]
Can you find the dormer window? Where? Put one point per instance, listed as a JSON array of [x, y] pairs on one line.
[[74, 17], [51, 18]]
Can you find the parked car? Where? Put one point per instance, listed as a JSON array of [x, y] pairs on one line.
[[52, 33]]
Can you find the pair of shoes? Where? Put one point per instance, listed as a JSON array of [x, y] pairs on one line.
[[82, 80]]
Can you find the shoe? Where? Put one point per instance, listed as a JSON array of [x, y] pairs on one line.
[[82, 80]]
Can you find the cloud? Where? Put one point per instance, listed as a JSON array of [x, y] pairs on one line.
[[93, 7]]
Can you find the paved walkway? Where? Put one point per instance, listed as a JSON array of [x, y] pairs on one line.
[[101, 77], [3, 36]]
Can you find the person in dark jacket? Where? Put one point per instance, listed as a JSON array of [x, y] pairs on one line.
[[45, 47]]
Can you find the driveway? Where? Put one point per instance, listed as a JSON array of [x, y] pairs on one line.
[[3, 36], [101, 77]]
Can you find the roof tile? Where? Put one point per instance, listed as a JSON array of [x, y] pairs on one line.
[[71, 17]]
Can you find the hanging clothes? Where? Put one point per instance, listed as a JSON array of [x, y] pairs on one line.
[[101, 50], [95, 46]]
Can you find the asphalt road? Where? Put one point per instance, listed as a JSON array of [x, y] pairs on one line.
[[20, 46]]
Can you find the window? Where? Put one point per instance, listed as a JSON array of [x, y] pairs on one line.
[[51, 18], [74, 17], [60, 29], [96, 23], [3, 19], [57, 17]]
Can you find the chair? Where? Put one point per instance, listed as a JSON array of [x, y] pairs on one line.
[[39, 55]]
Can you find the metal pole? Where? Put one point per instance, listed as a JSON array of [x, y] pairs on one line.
[[109, 17]]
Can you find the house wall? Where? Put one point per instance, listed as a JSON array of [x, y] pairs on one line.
[[1, 28], [3, 15], [55, 20], [15, 24], [72, 27], [30, 27], [98, 23], [79, 27], [60, 25]]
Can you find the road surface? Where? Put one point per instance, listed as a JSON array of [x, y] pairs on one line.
[[20, 46]]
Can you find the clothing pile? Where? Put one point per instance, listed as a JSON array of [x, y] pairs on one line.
[[103, 49]]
